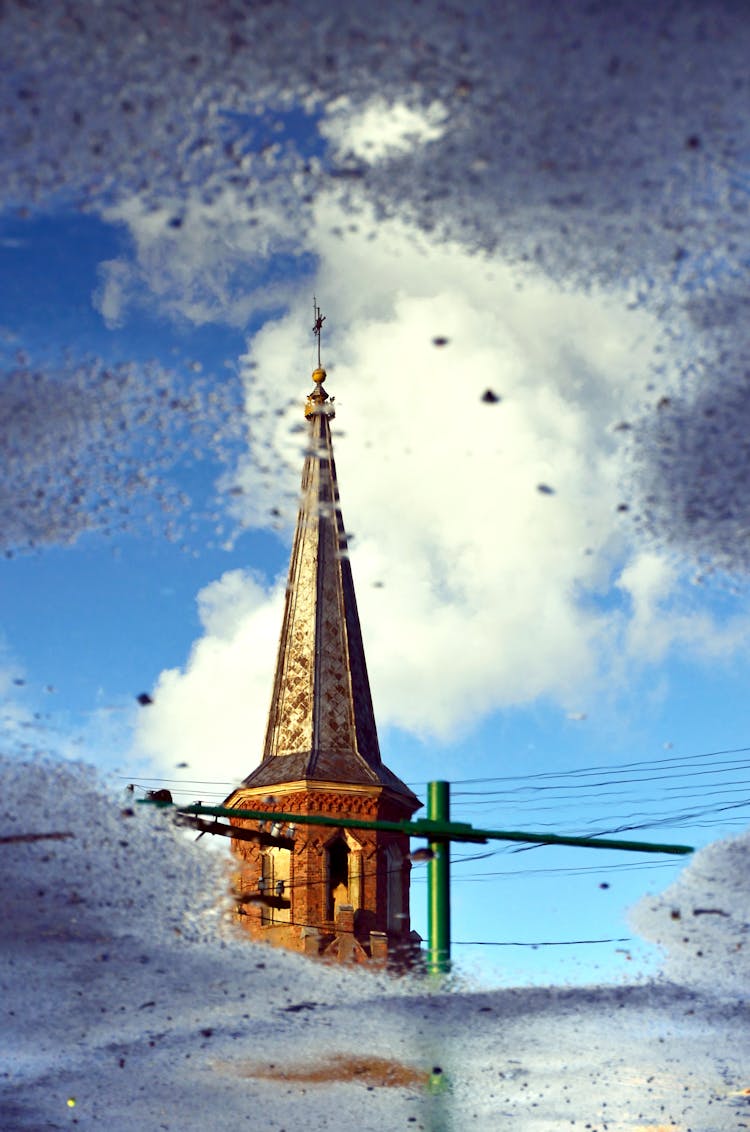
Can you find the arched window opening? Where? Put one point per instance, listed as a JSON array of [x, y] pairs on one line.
[[266, 887], [275, 871], [395, 889], [337, 861]]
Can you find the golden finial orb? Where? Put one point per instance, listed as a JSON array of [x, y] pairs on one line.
[[319, 375]]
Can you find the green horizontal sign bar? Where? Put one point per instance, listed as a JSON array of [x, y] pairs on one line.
[[432, 830]]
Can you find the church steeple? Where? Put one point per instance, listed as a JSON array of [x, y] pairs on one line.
[[321, 725], [321, 752]]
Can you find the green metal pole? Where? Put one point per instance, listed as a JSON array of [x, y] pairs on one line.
[[423, 827], [439, 881]]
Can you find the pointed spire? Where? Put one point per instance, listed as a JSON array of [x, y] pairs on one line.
[[321, 725]]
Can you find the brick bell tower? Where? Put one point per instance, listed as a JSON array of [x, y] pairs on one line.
[[325, 891]]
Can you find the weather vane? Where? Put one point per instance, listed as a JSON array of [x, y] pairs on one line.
[[318, 327]]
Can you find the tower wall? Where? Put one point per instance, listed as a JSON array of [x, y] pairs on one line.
[[377, 876]]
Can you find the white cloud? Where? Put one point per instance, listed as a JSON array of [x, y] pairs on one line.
[[114, 293], [379, 128], [198, 258], [666, 615], [469, 578], [212, 714], [703, 919], [477, 590]]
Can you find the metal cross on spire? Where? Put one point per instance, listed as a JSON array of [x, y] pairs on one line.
[[318, 326]]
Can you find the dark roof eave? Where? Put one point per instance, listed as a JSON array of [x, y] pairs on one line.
[[269, 774]]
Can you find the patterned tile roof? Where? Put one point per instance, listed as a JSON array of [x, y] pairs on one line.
[[321, 725]]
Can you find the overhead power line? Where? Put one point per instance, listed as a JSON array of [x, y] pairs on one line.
[[524, 873], [537, 787], [616, 767], [675, 761], [537, 943]]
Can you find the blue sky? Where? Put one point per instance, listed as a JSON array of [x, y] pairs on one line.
[[100, 620], [509, 631]]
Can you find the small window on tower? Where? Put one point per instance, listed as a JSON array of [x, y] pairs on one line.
[[337, 860], [276, 877], [396, 916], [266, 887]]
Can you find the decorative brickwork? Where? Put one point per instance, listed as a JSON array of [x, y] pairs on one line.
[[324, 869]]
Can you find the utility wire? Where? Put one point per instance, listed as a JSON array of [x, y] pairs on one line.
[[647, 764], [523, 806], [581, 785], [584, 824], [616, 767], [538, 943], [532, 805], [479, 942], [524, 874]]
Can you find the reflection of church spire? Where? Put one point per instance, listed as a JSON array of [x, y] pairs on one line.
[[321, 725], [334, 890]]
